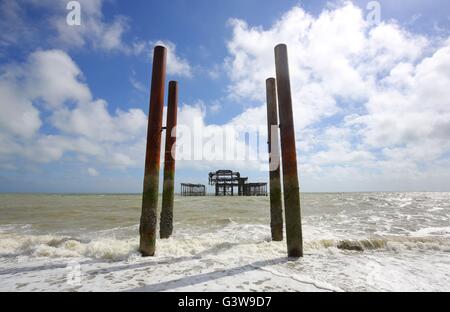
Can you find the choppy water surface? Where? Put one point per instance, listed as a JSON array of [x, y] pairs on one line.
[[353, 242]]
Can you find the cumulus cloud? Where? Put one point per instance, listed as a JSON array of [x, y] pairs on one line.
[[50, 83], [18, 115], [366, 97], [371, 102], [93, 121], [204, 146], [95, 31], [54, 78], [412, 105], [176, 65], [93, 172], [12, 24]]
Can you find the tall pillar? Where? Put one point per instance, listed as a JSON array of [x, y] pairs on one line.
[[289, 156], [149, 217], [166, 222], [276, 208]]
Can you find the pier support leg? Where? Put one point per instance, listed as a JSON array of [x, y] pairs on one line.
[[147, 229], [289, 155], [166, 223], [276, 209]]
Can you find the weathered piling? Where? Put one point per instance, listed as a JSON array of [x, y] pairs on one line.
[[289, 155], [166, 222], [149, 217], [276, 209]]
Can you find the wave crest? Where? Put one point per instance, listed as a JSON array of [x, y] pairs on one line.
[[392, 243], [12, 245]]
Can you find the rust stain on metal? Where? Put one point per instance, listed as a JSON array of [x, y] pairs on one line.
[[148, 221], [166, 223], [276, 209], [289, 155]]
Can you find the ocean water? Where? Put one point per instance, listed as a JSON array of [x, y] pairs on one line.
[[353, 242]]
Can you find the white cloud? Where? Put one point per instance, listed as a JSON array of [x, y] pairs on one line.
[[413, 105], [93, 121], [176, 65], [334, 56], [371, 103], [215, 107], [215, 71], [139, 86], [204, 146], [49, 81], [49, 77], [93, 172], [53, 77], [94, 30], [18, 116], [386, 89], [12, 24]]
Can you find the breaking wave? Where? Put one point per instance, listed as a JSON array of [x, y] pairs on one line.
[[50, 246], [13, 245], [392, 243]]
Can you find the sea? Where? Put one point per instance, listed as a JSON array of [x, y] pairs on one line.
[[358, 242]]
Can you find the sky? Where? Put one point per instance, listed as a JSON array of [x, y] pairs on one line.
[[370, 86]]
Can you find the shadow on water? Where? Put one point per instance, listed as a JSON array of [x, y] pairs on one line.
[[53, 266], [168, 285], [213, 250], [207, 277]]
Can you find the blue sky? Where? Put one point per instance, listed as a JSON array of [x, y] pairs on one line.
[[370, 100]]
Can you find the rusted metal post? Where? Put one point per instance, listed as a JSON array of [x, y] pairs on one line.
[[276, 209], [166, 223], [289, 155], [149, 217]]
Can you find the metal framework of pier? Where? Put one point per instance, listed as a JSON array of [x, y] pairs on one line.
[[226, 181], [188, 189], [255, 189]]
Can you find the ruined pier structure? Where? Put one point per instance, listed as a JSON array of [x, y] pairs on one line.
[[227, 181], [188, 189], [279, 102]]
